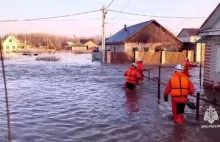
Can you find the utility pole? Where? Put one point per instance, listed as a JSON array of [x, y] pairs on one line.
[[104, 51]]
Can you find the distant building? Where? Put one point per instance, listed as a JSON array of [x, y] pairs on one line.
[[210, 35], [12, 44], [89, 43], [189, 37], [146, 36]]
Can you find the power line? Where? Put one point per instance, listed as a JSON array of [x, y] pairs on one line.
[[135, 14], [54, 17], [122, 10], [110, 4]]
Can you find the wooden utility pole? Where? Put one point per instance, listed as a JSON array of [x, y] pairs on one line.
[[6, 92], [104, 51]]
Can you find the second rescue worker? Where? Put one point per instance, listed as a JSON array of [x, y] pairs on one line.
[[179, 87]]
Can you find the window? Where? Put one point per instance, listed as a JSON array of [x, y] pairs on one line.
[[7, 47], [218, 60], [10, 40], [13, 47]]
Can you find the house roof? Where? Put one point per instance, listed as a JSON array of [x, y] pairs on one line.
[[212, 19], [190, 31], [123, 34], [83, 41], [13, 38]]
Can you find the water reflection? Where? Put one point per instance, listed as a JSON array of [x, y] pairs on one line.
[[132, 101]]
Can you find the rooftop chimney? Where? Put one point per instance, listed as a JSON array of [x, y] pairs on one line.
[[125, 27]]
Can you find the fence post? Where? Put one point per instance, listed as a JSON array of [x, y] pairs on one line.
[[197, 105], [159, 83]]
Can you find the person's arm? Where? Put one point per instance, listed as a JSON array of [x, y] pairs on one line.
[[191, 88], [167, 89], [138, 75]]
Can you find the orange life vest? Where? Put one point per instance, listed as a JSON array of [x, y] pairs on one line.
[[179, 85], [131, 75]]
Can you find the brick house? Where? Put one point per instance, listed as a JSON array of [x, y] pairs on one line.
[[210, 35], [145, 36]]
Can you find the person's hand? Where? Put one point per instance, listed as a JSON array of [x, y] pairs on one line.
[[166, 98]]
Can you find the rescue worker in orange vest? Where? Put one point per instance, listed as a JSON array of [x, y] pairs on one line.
[[179, 87], [187, 66], [132, 76], [140, 68]]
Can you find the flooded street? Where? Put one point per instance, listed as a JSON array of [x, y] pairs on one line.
[[76, 100]]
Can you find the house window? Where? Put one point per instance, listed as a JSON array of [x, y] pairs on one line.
[[218, 60], [7, 47], [13, 47], [10, 40]]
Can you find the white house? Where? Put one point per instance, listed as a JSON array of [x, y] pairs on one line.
[[12, 44], [210, 35], [145, 36]]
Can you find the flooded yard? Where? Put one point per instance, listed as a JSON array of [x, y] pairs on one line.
[[77, 100]]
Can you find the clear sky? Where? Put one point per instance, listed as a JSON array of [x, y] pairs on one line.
[[90, 24]]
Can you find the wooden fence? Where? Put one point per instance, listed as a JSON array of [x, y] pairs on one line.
[[149, 57], [120, 57], [174, 57]]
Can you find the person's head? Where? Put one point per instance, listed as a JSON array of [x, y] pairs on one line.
[[140, 60], [187, 59], [133, 65], [179, 68]]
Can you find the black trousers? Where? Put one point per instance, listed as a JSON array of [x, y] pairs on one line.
[[180, 108], [130, 85]]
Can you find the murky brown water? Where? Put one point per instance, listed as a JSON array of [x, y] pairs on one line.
[[76, 100]]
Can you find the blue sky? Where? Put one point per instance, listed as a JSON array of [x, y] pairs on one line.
[[90, 24]]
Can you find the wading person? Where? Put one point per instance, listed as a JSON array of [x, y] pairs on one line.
[[187, 66], [179, 87], [140, 68], [132, 76]]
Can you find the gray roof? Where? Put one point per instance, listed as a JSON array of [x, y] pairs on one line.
[[123, 34]]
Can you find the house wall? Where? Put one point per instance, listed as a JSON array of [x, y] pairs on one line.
[[185, 39], [90, 44], [212, 64], [116, 48], [140, 47], [79, 48], [10, 46]]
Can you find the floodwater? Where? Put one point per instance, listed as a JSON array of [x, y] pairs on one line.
[[76, 100]]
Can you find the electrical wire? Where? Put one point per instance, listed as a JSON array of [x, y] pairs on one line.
[[54, 17], [136, 14], [122, 10], [110, 4]]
